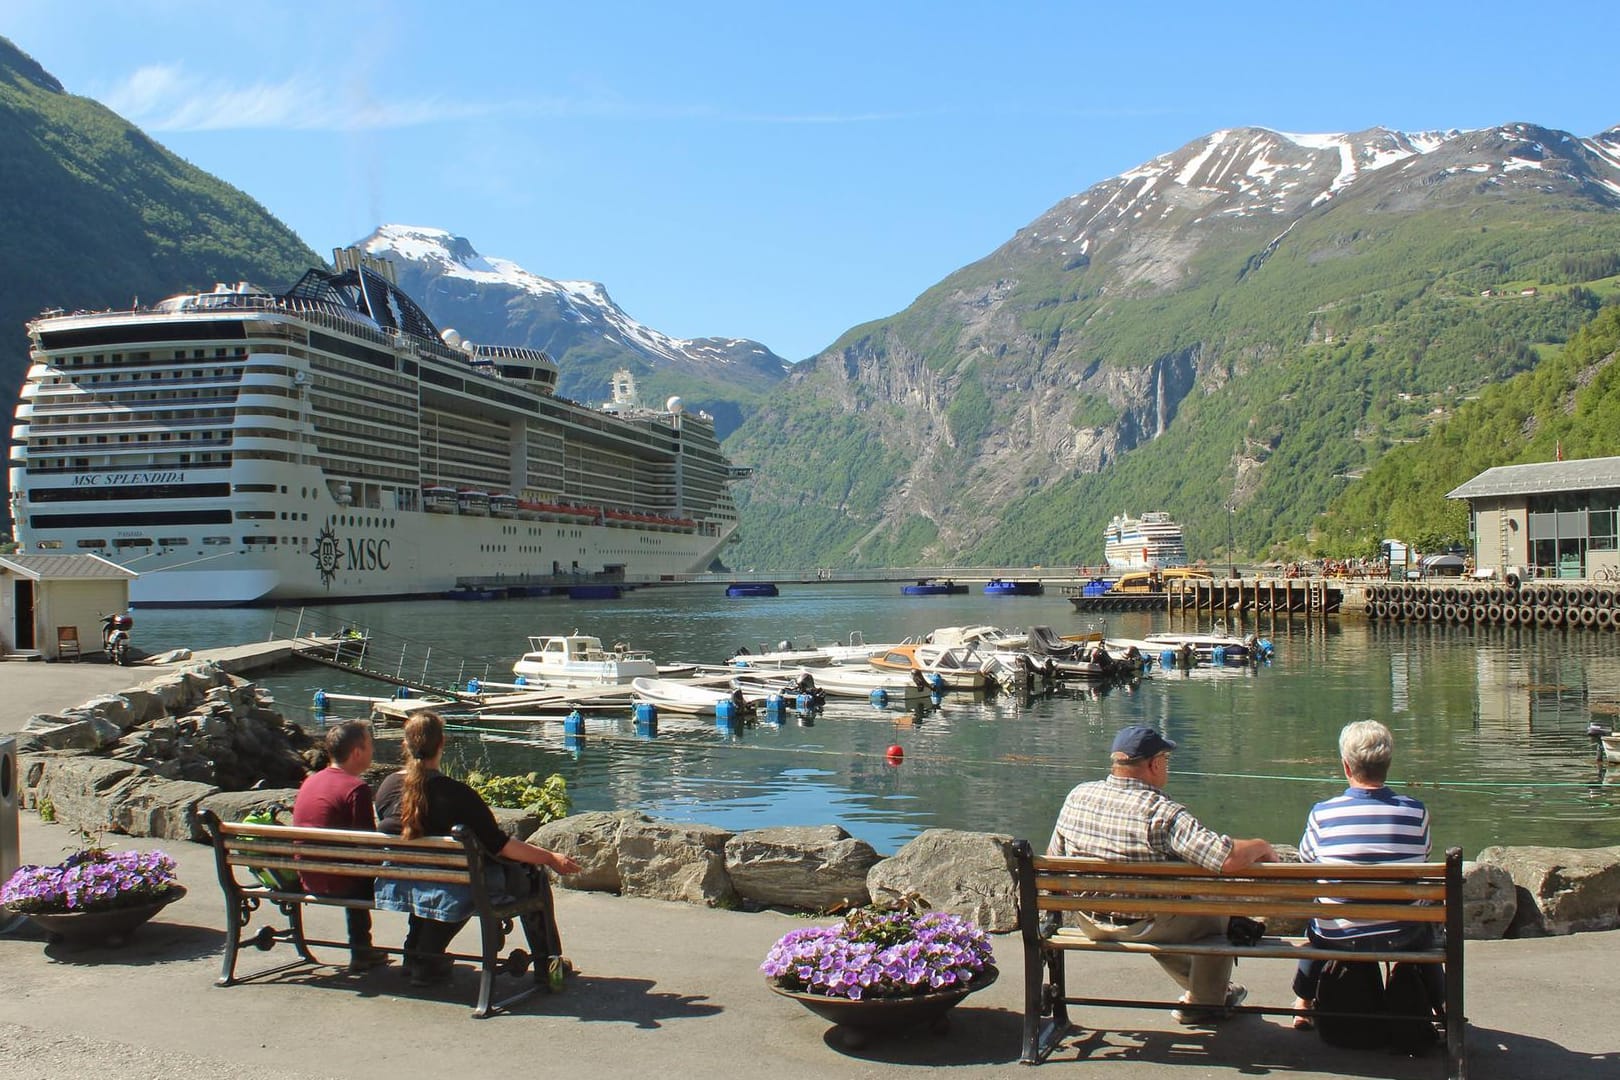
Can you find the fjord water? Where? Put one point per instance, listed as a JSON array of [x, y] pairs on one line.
[[1490, 723]]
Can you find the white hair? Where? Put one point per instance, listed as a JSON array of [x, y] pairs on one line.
[[1366, 746]]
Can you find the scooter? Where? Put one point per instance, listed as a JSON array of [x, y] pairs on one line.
[[115, 630]]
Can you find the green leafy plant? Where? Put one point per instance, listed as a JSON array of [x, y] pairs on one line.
[[547, 797]]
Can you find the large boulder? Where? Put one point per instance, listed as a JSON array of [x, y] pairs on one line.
[[1490, 900], [592, 840], [966, 873], [236, 805], [812, 868], [667, 860], [89, 732], [1561, 890], [515, 821], [152, 806], [78, 788]]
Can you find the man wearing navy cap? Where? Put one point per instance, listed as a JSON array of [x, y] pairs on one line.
[[1127, 817]]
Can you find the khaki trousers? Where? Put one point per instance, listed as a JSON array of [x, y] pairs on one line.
[[1205, 978]]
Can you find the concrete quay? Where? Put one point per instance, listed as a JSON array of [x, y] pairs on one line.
[[669, 989]]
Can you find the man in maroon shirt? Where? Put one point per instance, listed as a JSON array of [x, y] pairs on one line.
[[337, 798]]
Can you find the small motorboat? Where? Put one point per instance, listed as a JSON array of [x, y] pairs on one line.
[[859, 682], [1002, 587], [685, 697], [980, 637], [579, 660], [751, 588], [1611, 748], [784, 655], [933, 587], [955, 666], [1217, 647]]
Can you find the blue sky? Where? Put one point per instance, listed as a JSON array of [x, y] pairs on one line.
[[775, 171]]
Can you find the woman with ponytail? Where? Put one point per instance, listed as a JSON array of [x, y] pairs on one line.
[[419, 800]]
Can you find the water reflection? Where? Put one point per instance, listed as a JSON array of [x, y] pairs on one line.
[[1491, 724]]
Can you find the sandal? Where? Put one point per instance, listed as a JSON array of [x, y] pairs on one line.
[[1303, 1023]]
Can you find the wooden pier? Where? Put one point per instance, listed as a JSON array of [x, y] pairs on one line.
[[1305, 597]]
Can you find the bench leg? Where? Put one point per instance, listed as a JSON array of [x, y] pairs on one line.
[[237, 915], [490, 932], [1046, 1014]]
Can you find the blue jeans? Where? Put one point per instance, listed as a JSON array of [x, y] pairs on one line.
[[1407, 936]]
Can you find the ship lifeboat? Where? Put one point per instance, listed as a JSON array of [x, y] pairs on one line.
[[503, 506], [439, 500], [472, 502]]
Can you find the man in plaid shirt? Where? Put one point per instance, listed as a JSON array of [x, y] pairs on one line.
[[1127, 817]]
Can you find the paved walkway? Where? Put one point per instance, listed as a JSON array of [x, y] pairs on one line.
[[670, 990]]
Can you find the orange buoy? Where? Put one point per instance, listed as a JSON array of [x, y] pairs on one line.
[[894, 755]]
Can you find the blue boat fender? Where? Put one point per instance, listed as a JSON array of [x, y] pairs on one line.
[[521, 680], [1218, 654], [472, 686], [574, 724], [1167, 659], [403, 693], [937, 682], [1267, 650], [805, 702], [320, 700], [880, 697], [774, 703]]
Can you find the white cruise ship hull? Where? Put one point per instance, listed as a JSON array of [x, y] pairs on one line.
[[329, 444]]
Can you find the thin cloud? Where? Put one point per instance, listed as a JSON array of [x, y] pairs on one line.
[[165, 98]]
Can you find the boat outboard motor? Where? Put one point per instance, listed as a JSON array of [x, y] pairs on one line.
[[739, 701], [115, 628]]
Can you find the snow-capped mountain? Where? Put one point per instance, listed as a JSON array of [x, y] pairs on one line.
[[1252, 176], [497, 301]]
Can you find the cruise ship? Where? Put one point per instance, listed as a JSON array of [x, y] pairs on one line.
[[1144, 543], [330, 443]]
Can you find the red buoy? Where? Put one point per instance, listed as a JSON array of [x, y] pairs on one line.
[[895, 755]]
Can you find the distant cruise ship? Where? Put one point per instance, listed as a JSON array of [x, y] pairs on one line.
[[238, 447], [1152, 540]]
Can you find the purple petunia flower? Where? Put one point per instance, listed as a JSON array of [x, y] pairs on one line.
[[880, 954]]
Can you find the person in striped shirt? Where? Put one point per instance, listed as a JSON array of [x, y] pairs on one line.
[[1369, 823]]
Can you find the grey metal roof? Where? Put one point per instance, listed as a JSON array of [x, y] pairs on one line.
[[63, 567], [1542, 478]]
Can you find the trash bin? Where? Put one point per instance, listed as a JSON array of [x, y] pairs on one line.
[[10, 799]]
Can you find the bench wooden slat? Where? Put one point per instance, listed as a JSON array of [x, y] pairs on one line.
[[231, 830], [319, 853], [443, 876], [1259, 907], [1267, 872], [1283, 948], [1304, 890]]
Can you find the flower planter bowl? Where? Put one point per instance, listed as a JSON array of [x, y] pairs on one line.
[[110, 927], [886, 1014]]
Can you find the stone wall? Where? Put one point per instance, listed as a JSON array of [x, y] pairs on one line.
[[144, 761]]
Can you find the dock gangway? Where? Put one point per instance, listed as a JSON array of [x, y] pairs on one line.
[[343, 643]]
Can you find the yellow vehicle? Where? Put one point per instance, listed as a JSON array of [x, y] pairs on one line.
[[1146, 581]]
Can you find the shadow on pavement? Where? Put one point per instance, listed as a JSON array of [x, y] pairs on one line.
[[154, 943], [965, 1036]]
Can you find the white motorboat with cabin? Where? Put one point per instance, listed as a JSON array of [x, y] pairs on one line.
[[579, 660], [956, 666]]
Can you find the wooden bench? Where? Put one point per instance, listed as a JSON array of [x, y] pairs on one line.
[[241, 849], [1048, 886]]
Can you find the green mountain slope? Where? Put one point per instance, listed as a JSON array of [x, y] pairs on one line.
[[1230, 333], [95, 215], [1569, 405]]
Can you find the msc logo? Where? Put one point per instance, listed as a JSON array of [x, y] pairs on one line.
[[327, 555], [363, 554]]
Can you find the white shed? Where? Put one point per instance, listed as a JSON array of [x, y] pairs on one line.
[[49, 601]]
